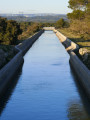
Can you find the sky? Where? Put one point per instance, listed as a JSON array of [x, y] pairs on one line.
[[34, 6]]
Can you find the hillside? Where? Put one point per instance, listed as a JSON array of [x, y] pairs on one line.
[[40, 18]]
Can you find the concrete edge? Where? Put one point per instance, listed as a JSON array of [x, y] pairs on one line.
[[9, 70], [68, 44], [24, 46], [80, 69]]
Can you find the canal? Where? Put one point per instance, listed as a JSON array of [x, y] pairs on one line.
[[45, 88]]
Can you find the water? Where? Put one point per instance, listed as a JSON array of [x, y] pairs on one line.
[[45, 87]]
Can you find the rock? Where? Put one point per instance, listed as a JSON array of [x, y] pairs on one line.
[[83, 51]]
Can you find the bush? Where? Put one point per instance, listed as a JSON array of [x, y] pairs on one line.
[[60, 23], [9, 31]]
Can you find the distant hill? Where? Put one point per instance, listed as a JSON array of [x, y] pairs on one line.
[[35, 17]]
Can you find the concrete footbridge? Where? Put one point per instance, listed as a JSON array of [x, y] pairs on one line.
[[48, 28]]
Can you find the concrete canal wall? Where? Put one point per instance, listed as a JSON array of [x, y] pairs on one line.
[[48, 28], [69, 45], [24, 46], [8, 71], [82, 72]]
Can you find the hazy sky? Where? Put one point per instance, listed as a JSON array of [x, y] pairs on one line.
[[34, 6]]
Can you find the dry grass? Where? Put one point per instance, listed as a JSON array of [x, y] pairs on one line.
[[75, 38], [78, 40]]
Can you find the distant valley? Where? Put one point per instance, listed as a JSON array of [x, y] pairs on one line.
[[44, 18]]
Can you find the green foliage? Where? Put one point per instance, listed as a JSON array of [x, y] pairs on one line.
[[47, 25], [29, 28], [76, 14], [12, 31], [60, 23], [9, 31], [78, 4], [24, 25], [3, 25], [80, 17]]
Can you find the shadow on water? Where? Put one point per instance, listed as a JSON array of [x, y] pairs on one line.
[[77, 111], [10, 89]]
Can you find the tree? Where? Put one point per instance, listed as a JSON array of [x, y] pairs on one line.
[[9, 31], [78, 4], [3, 25], [79, 7], [12, 31], [60, 23], [80, 17], [76, 14]]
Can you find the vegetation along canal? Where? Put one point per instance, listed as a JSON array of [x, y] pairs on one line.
[[45, 87]]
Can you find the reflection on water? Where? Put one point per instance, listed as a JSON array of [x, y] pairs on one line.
[[10, 88], [77, 110], [46, 88]]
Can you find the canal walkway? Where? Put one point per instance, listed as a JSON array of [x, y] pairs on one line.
[[45, 87]]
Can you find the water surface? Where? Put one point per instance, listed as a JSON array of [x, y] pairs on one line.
[[46, 87]]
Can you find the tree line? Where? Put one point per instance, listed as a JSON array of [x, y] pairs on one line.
[[12, 31], [80, 17], [9, 31], [79, 20], [28, 29]]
